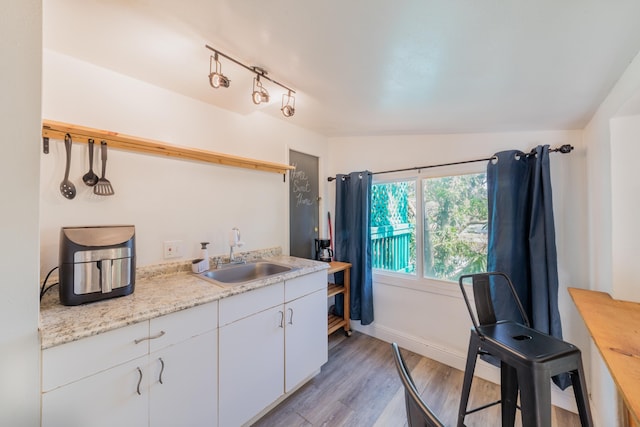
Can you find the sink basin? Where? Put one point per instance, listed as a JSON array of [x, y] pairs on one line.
[[244, 272]]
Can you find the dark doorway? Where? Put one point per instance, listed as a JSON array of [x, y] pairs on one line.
[[303, 204]]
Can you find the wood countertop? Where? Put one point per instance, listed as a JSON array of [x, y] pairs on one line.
[[614, 326]]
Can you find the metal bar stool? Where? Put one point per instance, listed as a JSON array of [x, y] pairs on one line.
[[418, 413], [528, 360]]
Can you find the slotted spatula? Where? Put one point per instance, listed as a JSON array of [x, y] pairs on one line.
[[67, 188], [103, 186]]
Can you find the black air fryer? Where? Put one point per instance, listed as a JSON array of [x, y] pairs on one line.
[[96, 263]]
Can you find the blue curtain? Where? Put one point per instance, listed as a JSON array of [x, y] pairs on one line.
[[522, 239], [353, 241]]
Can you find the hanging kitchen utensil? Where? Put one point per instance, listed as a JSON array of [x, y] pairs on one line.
[[90, 178], [103, 186], [67, 188]]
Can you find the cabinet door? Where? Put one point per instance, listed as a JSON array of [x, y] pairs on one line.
[[188, 393], [305, 337], [107, 399], [251, 368]]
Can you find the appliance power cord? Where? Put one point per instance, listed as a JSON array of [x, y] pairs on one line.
[[44, 289]]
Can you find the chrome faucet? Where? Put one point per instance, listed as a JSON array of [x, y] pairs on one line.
[[234, 242]]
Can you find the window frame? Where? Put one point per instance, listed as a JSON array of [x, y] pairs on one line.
[[417, 281]]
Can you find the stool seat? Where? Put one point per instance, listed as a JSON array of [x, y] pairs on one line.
[[528, 360], [526, 344]]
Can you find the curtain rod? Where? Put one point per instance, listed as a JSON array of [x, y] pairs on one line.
[[564, 149]]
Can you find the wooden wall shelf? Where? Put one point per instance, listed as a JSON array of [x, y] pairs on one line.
[[57, 130]]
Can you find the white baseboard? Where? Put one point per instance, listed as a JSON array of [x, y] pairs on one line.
[[563, 399]]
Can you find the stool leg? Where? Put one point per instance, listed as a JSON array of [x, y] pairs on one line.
[[581, 395], [535, 396], [472, 355], [508, 394]]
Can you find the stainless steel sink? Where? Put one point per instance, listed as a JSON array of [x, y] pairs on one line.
[[243, 273]]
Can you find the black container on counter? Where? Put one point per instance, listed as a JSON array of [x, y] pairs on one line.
[[96, 263]]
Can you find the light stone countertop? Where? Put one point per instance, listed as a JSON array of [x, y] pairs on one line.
[[153, 296]]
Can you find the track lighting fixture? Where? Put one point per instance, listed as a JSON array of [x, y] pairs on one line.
[[260, 93], [216, 78], [288, 108]]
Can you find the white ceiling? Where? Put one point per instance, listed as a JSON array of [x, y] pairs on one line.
[[370, 67]]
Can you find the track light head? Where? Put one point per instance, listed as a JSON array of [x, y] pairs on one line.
[[288, 110], [216, 78], [289, 107], [259, 94]]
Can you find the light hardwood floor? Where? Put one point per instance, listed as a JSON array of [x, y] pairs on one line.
[[359, 387]]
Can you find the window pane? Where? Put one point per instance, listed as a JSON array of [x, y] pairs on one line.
[[393, 225], [455, 226]]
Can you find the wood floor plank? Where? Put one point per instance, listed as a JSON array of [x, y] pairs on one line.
[[359, 387], [394, 413]]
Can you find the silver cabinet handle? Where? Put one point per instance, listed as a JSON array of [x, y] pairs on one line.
[[291, 317], [139, 381], [161, 370], [158, 335], [281, 318]]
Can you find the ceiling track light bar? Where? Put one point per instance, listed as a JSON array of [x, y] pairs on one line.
[[259, 72]]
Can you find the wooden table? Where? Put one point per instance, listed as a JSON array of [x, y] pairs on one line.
[[335, 322], [614, 326]]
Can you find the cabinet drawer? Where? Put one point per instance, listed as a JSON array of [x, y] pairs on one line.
[[106, 399], [69, 362], [182, 325], [243, 305], [304, 285]]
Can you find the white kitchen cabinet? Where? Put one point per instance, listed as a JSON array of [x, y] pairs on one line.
[[183, 386], [251, 368], [183, 367], [306, 347], [251, 373], [105, 399], [73, 361], [271, 339], [305, 337], [113, 379]]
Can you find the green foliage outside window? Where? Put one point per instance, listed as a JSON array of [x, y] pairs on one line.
[[392, 203], [454, 226]]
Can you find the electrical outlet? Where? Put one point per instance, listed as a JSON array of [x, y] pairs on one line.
[[172, 249]]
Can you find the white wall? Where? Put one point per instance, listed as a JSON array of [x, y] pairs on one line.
[[625, 205], [20, 84], [435, 322], [165, 198], [601, 165]]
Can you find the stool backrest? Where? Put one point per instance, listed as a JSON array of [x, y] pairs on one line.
[[481, 283], [418, 413]]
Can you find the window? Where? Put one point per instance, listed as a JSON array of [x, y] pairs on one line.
[[452, 226], [455, 226], [393, 226]]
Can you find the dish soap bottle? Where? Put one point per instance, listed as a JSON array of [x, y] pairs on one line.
[[204, 254]]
